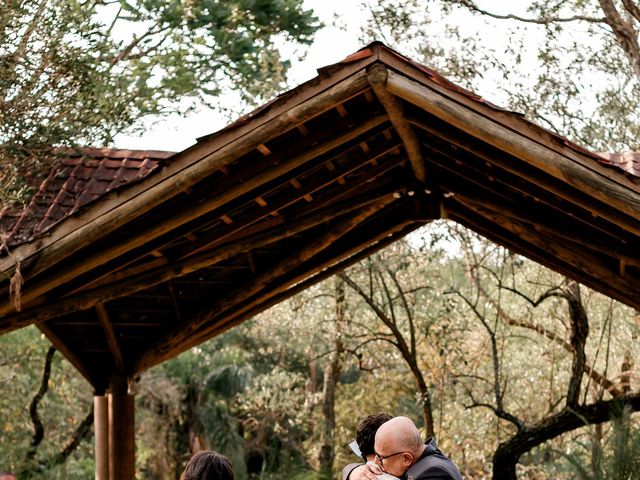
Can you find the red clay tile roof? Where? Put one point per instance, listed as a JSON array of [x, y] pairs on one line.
[[74, 182]]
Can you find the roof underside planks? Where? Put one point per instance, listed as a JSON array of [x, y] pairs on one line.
[[371, 149]]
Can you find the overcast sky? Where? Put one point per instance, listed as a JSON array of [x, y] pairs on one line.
[[331, 44]]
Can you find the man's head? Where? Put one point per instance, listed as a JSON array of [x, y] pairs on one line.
[[208, 465], [398, 445], [7, 476], [366, 434]]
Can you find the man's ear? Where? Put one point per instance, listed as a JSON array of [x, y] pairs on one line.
[[407, 459]]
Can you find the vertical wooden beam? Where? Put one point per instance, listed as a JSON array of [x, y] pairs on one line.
[[122, 460], [377, 76], [110, 333], [101, 434]]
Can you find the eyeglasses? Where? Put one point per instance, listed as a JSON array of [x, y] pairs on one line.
[[380, 458]]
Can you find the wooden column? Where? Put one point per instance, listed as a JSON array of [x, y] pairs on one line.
[[101, 433], [121, 430]]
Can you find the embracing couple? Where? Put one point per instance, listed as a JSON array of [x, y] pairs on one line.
[[392, 448]]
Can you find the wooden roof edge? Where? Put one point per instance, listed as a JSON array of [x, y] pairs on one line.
[[190, 165], [571, 163], [437, 81], [310, 99]]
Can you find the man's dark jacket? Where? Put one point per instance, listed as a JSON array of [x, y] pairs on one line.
[[432, 465]]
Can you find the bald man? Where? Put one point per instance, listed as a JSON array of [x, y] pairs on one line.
[[7, 476], [400, 452]]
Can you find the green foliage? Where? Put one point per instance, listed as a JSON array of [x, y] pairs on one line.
[[254, 393], [77, 73], [66, 404]]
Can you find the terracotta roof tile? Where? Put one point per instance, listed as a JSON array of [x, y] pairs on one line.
[[74, 182]]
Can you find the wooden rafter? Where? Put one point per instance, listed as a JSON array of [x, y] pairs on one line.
[[377, 76], [285, 287], [538, 249], [68, 353], [176, 338], [179, 268], [157, 229], [318, 271], [196, 163], [110, 334], [540, 184], [622, 194]]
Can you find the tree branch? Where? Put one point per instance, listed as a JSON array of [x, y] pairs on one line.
[[38, 427], [570, 418], [471, 5], [579, 334], [632, 8], [624, 33]]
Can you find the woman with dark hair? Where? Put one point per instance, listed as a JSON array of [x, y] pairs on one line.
[[208, 465]]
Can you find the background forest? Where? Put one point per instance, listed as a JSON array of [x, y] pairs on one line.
[[483, 348], [468, 339]]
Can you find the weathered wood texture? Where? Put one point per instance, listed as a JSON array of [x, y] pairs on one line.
[[289, 195]]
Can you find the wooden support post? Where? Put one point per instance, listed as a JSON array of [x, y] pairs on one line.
[[101, 434], [122, 463]]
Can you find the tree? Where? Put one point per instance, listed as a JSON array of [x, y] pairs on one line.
[[567, 410], [75, 72], [46, 422], [399, 286], [572, 66]]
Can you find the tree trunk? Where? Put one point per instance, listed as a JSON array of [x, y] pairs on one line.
[[508, 453], [331, 378]]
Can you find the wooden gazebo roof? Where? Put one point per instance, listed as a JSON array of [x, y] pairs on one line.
[[129, 258]]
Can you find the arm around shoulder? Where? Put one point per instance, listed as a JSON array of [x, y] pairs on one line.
[[346, 471]]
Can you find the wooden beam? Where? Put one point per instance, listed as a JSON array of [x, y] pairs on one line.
[[319, 271], [179, 268], [520, 180], [284, 289], [192, 165], [562, 229], [248, 223], [554, 254], [110, 334], [32, 291], [377, 76], [582, 173], [175, 339], [69, 355]]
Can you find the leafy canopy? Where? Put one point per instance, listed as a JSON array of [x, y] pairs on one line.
[[80, 71]]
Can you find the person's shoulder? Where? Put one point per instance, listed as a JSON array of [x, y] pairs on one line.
[[434, 466], [346, 471]]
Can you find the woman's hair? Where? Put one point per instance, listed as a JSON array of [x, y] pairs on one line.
[[208, 465]]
